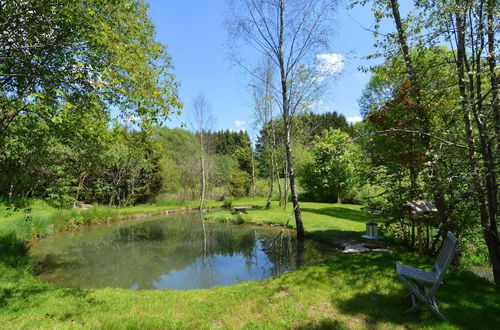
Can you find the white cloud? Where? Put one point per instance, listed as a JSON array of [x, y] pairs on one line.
[[240, 126], [240, 123], [354, 119], [329, 64]]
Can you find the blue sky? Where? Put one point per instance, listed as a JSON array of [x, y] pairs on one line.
[[194, 32]]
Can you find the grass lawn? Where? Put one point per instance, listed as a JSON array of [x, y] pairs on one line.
[[322, 221], [345, 291]]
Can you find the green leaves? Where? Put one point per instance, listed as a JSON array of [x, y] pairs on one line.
[[333, 172], [83, 47]]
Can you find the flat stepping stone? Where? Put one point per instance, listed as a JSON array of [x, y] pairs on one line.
[[355, 249]]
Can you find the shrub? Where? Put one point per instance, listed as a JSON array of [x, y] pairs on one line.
[[227, 204], [240, 183]]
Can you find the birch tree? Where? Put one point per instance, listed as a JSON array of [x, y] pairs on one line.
[[290, 33], [203, 122], [264, 99]]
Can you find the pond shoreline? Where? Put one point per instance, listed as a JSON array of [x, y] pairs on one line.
[[169, 252], [120, 218]]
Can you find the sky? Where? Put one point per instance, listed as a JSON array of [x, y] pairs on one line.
[[195, 36]]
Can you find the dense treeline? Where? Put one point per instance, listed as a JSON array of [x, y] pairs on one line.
[[119, 166], [67, 163], [115, 167], [228, 163]]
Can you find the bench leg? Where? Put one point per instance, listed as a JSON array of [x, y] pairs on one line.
[[436, 312]]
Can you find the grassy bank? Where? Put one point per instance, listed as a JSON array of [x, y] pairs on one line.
[[344, 291], [323, 221], [36, 219]]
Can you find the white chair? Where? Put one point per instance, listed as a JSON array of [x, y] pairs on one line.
[[423, 284]]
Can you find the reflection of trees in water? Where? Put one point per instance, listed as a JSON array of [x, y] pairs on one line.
[[139, 254], [202, 272], [280, 251]]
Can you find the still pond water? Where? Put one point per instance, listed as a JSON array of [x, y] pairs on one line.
[[176, 251]]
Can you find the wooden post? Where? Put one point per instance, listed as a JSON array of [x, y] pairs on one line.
[[424, 208], [428, 242], [420, 243]]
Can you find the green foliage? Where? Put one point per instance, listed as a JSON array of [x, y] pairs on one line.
[[85, 49], [88, 58], [371, 196], [240, 182], [227, 204], [331, 175], [307, 126], [410, 166]]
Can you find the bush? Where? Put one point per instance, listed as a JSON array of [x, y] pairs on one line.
[[227, 204], [331, 174], [240, 183]]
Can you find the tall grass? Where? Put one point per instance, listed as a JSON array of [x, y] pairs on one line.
[[35, 218]]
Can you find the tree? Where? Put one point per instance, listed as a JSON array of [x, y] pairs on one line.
[[67, 62], [332, 173], [264, 98], [469, 42], [289, 32], [203, 122], [51, 50], [396, 152]]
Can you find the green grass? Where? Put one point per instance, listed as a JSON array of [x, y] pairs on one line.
[[345, 291], [322, 221], [37, 219]]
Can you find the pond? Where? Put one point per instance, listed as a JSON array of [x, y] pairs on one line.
[[176, 251]]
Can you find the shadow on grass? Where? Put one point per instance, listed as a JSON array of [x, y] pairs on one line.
[[324, 324], [13, 249], [466, 300], [343, 213], [331, 235]]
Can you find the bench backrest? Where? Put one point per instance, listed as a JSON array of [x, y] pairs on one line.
[[446, 255]]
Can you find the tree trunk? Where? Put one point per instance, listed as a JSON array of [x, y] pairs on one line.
[[280, 191], [492, 234], [435, 178], [11, 191], [285, 198], [271, 182], [287, 125], [253, 175], [270, 193], [272, 145], [495, 92], [271, 175], [489, 232], [202, 161]]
